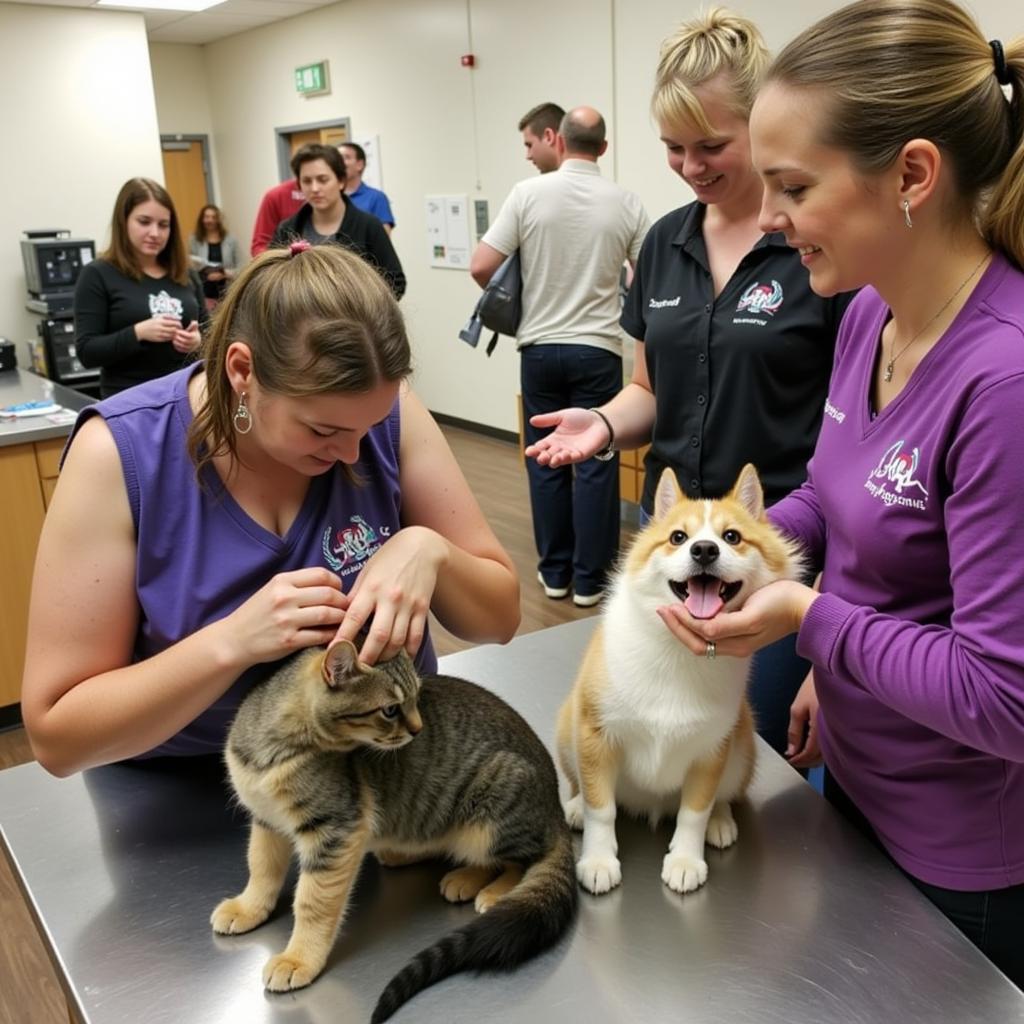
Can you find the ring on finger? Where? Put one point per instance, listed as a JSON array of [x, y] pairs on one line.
[[710, 652]]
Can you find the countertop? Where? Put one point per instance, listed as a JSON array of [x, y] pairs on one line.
[[17, 386], [802, 921]]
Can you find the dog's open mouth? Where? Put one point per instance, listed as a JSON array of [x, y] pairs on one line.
[[704, 596]]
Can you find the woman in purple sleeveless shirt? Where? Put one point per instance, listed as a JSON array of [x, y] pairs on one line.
[[290, 489]]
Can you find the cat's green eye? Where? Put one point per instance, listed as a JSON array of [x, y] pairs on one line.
[[677, 537], [391, 711], [732, 537]]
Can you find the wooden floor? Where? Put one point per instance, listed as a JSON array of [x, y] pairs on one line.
[[29, 991]]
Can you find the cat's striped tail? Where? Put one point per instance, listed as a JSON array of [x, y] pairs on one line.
[[527, 920]]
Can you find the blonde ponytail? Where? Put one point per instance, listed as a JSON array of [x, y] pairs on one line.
[[717, 43]]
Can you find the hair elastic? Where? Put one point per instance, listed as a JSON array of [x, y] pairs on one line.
[[1003, 76], [300, 246]]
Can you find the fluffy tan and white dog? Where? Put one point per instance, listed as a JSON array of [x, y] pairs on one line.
[[649, 726]]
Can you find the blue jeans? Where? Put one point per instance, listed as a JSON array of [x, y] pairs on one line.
[[575, 508], [775, 676]]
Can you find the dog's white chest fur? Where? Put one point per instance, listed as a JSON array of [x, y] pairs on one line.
[[663, 707]]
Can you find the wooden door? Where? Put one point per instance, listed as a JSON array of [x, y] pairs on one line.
[[185, 180], [333, 136], [297, 139]]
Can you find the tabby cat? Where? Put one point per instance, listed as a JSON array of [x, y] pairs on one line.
[[335, 758]]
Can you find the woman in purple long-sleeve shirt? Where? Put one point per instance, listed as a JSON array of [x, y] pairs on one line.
[[902, 171]]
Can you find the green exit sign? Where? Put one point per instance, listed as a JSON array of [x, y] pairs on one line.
[[312, 80]]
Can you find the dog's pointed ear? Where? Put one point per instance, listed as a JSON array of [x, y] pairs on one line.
[[341, 662], [748, 491], [667, 494]]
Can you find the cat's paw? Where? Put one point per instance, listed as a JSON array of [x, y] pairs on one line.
[[574, 812], [235, 917], [285, 972], [599, 874], [722, 830], [683, 874], [462, 884]]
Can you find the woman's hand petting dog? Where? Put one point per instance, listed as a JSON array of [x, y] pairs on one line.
[[770, 613]]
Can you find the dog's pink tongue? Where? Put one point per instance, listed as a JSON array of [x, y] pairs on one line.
[[703, 601]]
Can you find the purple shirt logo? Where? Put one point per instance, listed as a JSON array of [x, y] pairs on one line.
[[345, 549], [897, 467]]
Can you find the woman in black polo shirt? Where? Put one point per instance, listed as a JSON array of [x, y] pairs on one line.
[[733, 349]]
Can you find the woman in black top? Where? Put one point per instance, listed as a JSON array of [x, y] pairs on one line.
[[734, 350], [137, 306]]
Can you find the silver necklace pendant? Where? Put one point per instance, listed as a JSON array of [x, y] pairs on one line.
[[888, 373]]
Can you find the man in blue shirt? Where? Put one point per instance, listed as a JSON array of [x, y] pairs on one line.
[[370, 200]]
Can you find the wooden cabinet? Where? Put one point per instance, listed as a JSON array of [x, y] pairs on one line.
[[28, 474], [631, 474]]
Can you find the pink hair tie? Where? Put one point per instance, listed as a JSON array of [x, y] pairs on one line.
[[300, 246]]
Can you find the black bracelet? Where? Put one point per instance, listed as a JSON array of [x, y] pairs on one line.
[[608, 451]]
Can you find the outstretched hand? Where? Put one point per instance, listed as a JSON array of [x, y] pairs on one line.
[[578, 435]]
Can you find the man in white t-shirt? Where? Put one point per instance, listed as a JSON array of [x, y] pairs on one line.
[[573, 229]]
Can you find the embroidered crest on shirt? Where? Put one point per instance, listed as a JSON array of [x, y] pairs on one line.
[[163, 304], [346, 549], [896, 470], [759, 299]]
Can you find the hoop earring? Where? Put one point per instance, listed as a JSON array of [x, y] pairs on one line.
[[906, 213], [242, 419]]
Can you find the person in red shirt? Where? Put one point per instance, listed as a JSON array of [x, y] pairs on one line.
[[278, 204]]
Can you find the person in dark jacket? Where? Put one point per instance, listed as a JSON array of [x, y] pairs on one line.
[[328, 215]]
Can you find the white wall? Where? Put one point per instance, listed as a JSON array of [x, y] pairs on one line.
[[181, 88], [400, 77], [78, 118], [183, 99]]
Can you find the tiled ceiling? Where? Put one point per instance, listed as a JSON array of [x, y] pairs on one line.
[[226, 19]]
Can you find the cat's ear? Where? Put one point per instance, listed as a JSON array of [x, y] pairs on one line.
[[341, 661]]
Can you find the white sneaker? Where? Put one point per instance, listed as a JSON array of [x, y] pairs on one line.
[[587, 600], [555, 593]]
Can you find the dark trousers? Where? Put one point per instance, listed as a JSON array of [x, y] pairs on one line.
[[990, 919], [575, 508], [775, 675]]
